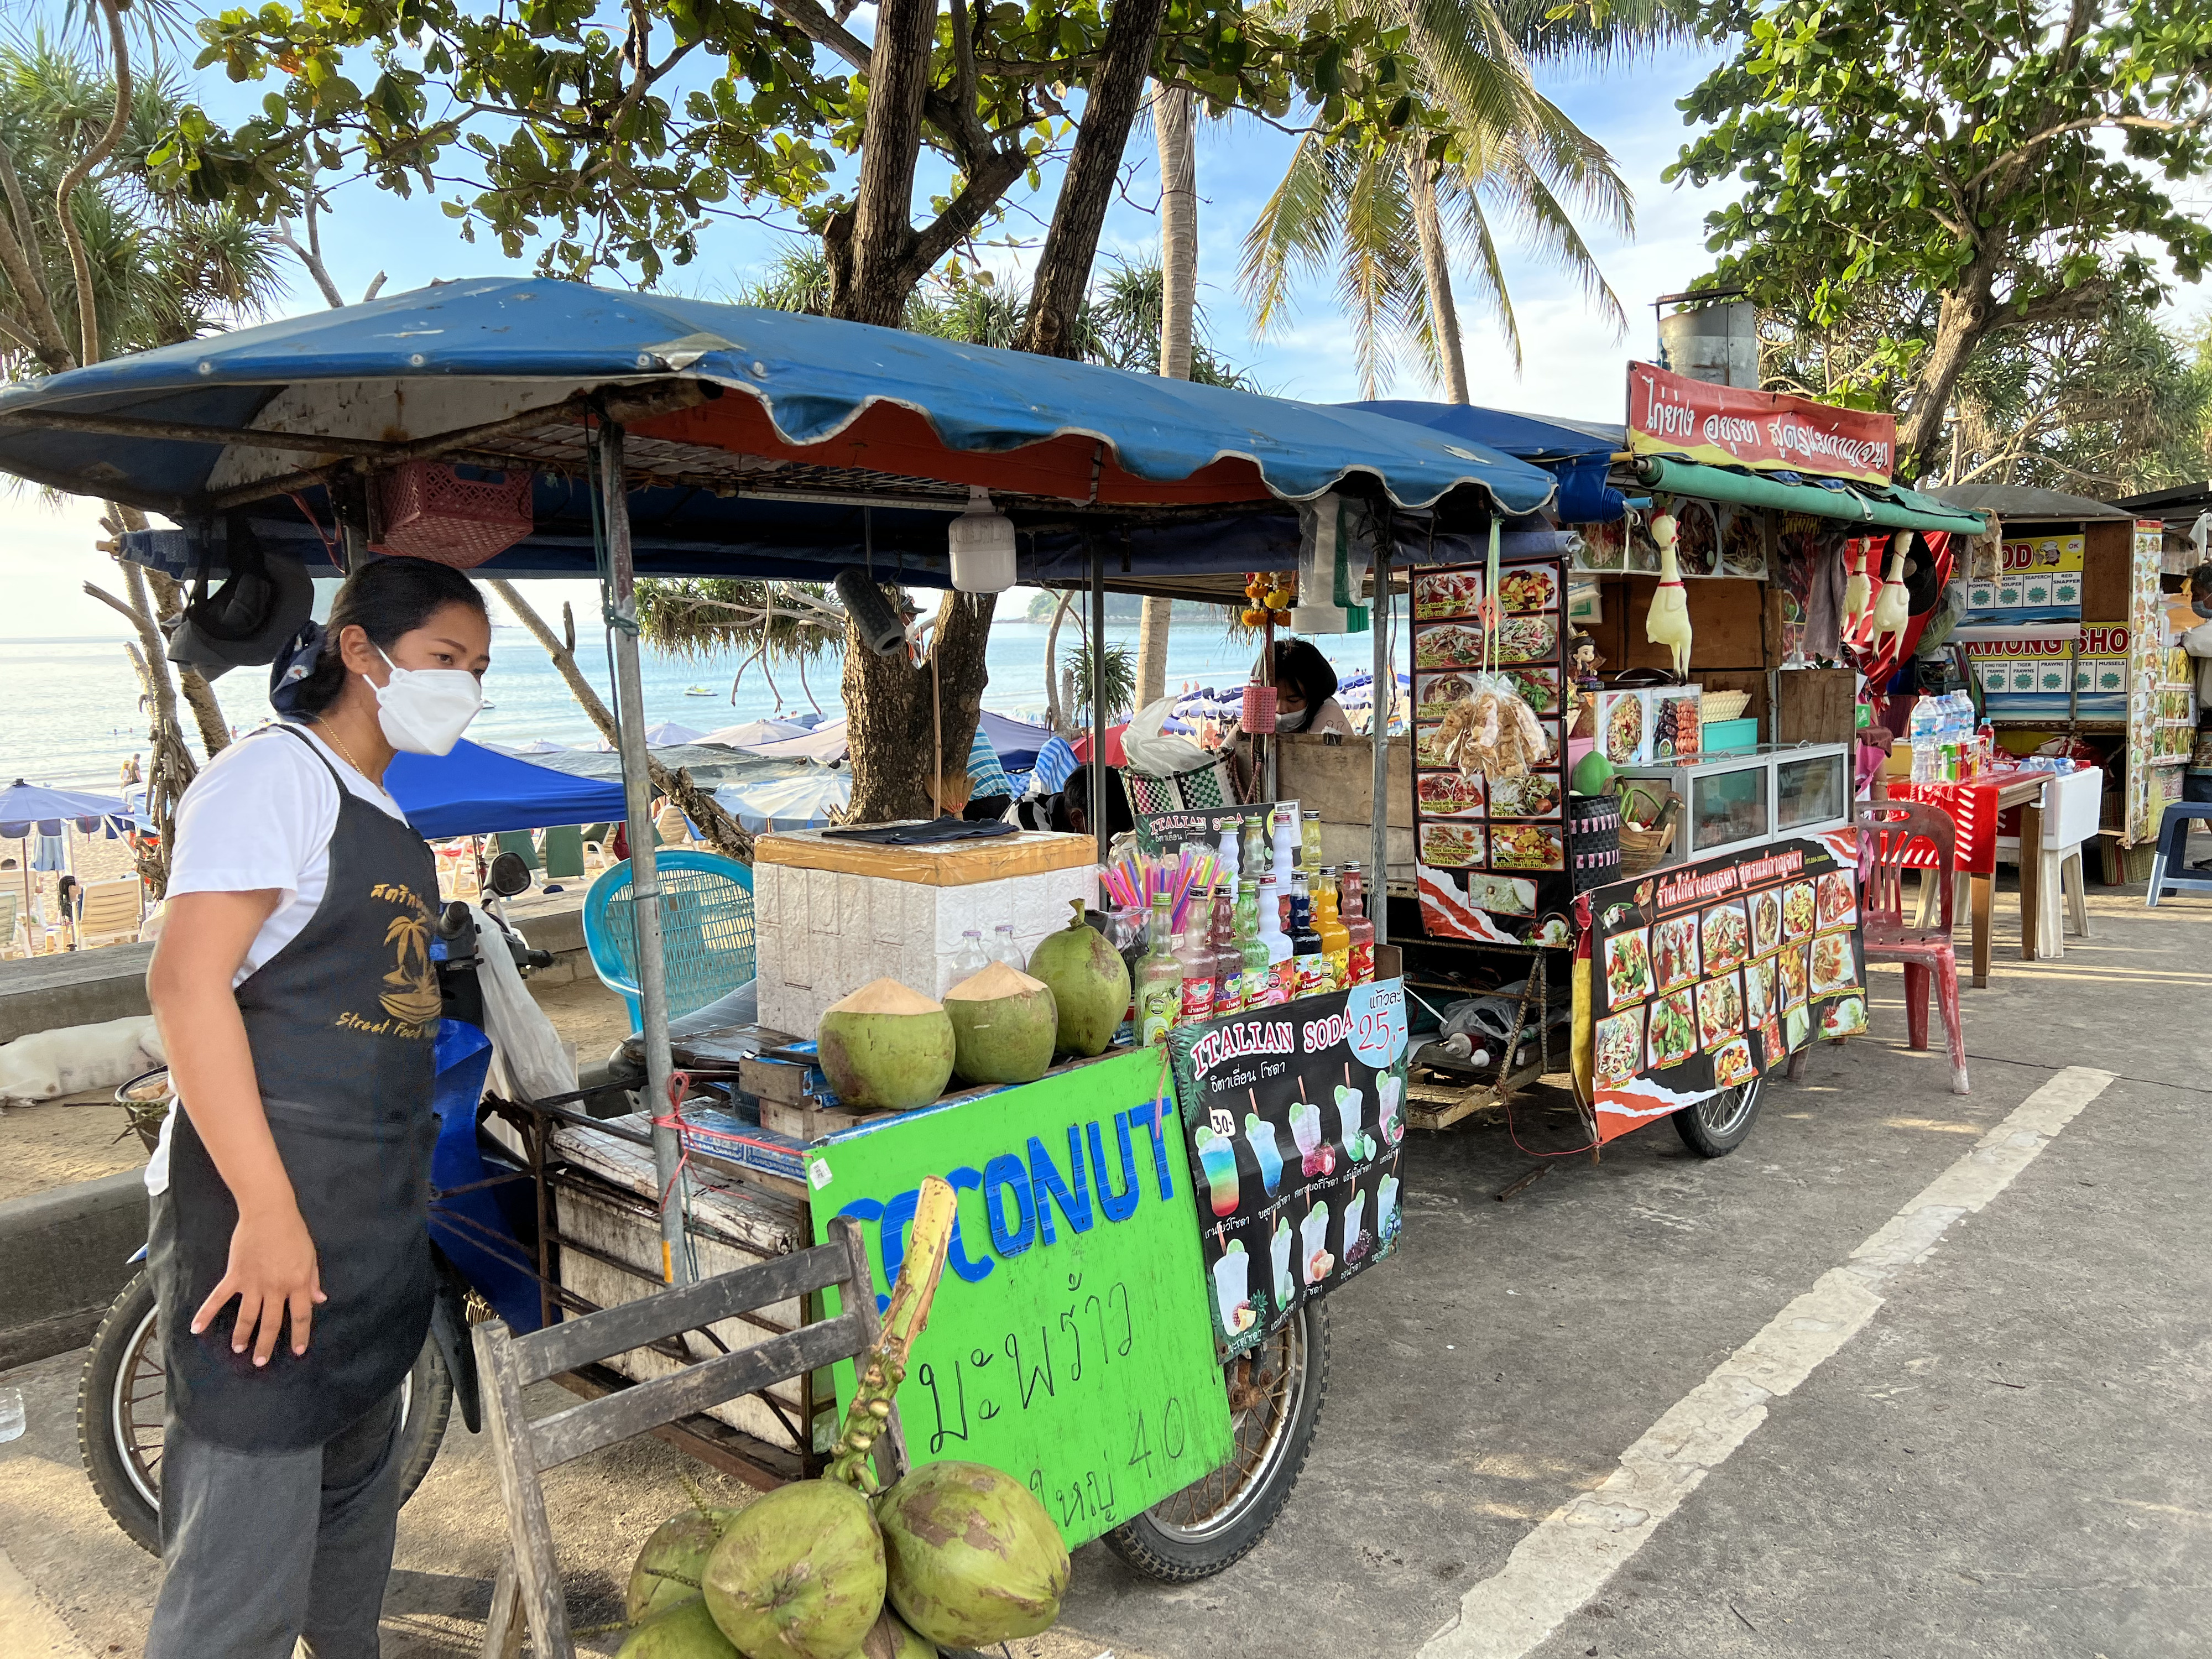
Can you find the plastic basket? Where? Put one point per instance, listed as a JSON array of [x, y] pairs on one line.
[[1259, 714], [1722, 704], [1593, 840], [430, 512]]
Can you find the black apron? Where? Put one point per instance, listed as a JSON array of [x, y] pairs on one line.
[[340, 1021]]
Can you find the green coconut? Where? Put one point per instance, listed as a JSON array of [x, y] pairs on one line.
[[686, 1631], [798, 1573], [668, 1568], [892, 1638], [974, 1558], [886, 1047], [1003, 1025], [1090, 984]]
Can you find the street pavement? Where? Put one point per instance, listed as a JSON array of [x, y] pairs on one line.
[[1881, 1383]]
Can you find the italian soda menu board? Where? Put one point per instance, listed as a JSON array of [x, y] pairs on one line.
[[1709, 974], [1491, 851]]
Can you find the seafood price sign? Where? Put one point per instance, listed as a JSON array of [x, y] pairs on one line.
[[1708, 976], [1069, 1344], [1297, 1123]]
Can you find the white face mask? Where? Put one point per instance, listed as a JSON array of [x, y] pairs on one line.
[[424, 711], [1292, 722]]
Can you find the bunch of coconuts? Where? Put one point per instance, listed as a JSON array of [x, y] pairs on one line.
[[952, 1555], [888, 1047]]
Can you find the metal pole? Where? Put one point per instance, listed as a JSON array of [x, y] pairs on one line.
[[644, 879], [1098, 824], [1384, 689]]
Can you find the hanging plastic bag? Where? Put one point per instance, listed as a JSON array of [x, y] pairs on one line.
[[1151, 749], [529, 1060], [1492, 730]]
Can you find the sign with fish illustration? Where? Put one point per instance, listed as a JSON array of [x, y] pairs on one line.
[[1708, 976], [1297, 1123], [1067, 1345]]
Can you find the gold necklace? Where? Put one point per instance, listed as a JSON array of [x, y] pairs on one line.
[[345, 753]]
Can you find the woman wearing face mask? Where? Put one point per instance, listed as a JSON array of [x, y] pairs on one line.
[[295, 993], [1305, 691], [2197, 782]]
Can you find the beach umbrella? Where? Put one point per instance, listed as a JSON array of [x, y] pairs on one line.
[[538, 747], [668, 734], [23, 804], [751, 734], [803, 802]]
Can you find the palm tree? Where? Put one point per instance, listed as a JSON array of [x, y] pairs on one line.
[[1385, 209], [96, 256], [1171, 128]]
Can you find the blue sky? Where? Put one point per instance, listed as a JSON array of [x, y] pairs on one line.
[[1573, 362]]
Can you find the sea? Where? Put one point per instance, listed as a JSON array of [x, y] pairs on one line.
[[70, 713]]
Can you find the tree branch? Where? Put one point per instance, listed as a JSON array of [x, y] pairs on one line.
[[309, 256], [49, 343], [87, 306], [2028, 146]]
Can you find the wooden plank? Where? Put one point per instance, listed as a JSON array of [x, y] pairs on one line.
[[503, 1624], [1818, 705], [574, 1342], [948, 863], [514, 1455], [705, 1439], [2107, 554], [581, 1429]]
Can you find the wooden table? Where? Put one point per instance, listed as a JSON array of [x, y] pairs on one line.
[[1974, 807]]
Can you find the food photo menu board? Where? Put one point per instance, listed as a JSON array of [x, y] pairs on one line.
[[1491, 850], [1710, 975]]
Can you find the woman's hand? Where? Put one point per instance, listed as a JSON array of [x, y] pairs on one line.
[[272, 1269]]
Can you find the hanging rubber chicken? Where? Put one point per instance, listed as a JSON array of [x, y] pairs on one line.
[[1893, 606], [1667, 622], [1858, 591]]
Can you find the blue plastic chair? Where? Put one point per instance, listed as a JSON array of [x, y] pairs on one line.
[[706, 930]]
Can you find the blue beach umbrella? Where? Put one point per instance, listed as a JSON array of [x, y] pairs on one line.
[[23, 804]]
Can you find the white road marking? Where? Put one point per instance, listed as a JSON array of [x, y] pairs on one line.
[[1567, 1559]]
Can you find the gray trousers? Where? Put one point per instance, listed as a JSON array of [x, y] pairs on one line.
[[263, 1549]]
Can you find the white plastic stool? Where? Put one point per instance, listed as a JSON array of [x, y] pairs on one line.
[[2072, 806]]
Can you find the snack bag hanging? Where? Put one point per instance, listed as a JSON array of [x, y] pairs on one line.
[[1492, 731]]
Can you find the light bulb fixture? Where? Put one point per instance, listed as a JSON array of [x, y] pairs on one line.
[[982, 543]]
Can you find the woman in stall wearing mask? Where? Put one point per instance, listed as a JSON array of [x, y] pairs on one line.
[[296, 996], [1305, 691]]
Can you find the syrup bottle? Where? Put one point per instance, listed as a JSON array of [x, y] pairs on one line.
[[1194, 953], [1335, 938], [1282, 966], [1352, 904], [1305, 942], [1229, 961], [1159, 976]]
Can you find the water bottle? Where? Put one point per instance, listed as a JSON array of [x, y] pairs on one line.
[[11, 1414], [971, 957]]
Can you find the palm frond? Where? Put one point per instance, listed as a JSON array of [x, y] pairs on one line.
[[1297, 229]]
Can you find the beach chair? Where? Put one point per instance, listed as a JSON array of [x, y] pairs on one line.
[[564, 852], [109, 912], [13, 940], [743, 1303], [706, 929], [596, 837]]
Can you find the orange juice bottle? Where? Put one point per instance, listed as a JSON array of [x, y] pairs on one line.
[[1335, 937]]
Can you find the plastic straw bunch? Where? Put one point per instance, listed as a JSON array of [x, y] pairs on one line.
[[1133, 880]]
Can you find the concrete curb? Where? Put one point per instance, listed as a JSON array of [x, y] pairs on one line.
[[68, 1253]]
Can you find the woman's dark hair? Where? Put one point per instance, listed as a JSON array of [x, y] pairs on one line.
[[1076, 793], [385, 600], [2200, 582], [1300, 664]]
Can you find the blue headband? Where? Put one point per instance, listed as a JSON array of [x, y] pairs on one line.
[[293, 664]]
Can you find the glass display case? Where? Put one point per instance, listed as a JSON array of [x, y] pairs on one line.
[[1732, 802]]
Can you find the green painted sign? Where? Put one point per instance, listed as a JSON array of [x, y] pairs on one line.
[[1070, 1343]]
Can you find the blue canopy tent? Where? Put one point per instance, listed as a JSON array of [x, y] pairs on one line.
[[1576, 453], [477, 791], [723, 440]]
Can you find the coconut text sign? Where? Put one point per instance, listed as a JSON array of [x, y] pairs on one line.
[[1069, 1344], [1298, 1125]]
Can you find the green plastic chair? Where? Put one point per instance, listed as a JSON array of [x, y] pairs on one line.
[[564, 852]]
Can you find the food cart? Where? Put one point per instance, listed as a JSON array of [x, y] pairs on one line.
[[1093, 1348], [1730, 941]]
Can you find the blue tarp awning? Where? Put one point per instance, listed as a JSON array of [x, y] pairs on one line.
[[1575, 452], [854, 419], [476, 791]]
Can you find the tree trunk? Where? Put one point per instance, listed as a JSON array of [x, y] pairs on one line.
[[1057, 714], [170, 768], [723, 833], [199, 692], [1436, 276], [1963, 318], [1171, 125], [889, 719], [870, 243], [1086, 188]]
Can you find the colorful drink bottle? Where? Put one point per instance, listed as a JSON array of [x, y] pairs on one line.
[[1305, 942], [1257, 966], [1352, 907], [1195, 954], [1282, 966], [1335, 938], [1228, 960], [1159, 977]]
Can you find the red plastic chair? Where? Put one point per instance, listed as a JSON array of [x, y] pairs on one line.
[[1886, 831]]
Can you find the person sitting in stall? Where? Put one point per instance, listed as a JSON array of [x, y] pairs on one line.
[[989, 791], [1305, 691], [2196, 781]]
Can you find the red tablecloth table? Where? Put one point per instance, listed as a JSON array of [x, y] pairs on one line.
[[1974, 807]]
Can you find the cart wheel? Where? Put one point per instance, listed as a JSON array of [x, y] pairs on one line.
[[1717, 1126], [120, 1410], [1207, 1526]]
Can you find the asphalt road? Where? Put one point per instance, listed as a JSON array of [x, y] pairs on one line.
[[2001, 1451]]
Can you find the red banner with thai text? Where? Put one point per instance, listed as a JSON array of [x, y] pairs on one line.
[[1767, 431]]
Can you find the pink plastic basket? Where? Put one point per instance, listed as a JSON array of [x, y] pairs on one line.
[[1258, 708], [431, 512]]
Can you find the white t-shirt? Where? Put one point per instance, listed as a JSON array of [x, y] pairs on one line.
[[261, 817]]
